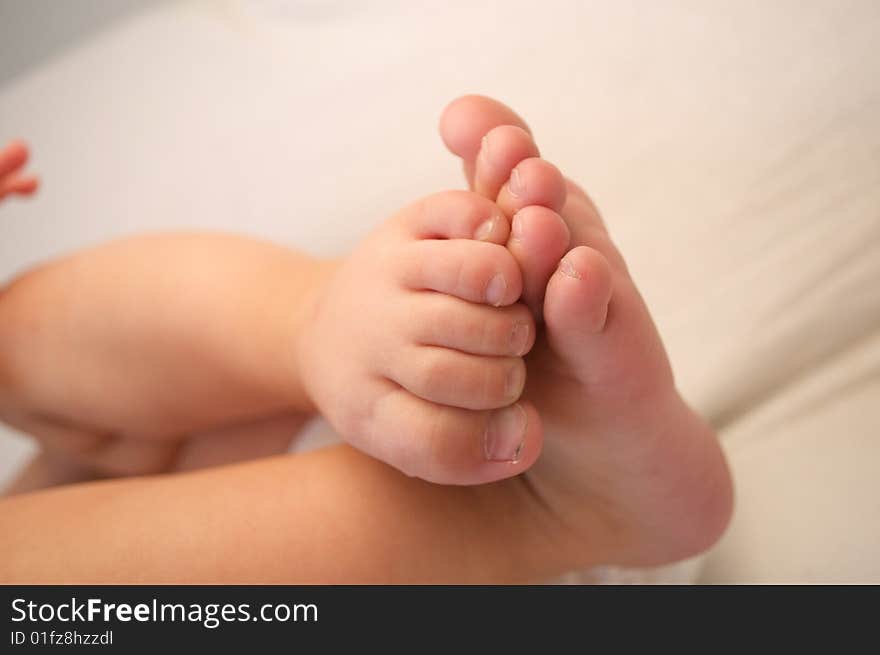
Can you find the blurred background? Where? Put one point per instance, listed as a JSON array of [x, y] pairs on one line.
[[733, 147], [33, 31]]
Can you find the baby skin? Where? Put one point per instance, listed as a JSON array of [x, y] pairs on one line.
[[13, 157], [622, 449], [477, 336], [485, 328]]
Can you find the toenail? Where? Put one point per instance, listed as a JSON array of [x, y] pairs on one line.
[[505, 435], [516, 228], [519, 338], [484, 149], [485, 230], [566, 268], [514, 382], [496, 289], [515, 186]]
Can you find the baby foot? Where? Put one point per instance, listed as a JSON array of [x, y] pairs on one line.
[[13, 157], [415, 346], [627, 466]]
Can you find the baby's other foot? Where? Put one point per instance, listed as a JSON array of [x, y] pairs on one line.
[[13, 158], [415, 347], [627, 466]]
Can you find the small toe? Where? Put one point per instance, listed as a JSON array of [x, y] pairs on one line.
[[500, 151], [533, 181], [451, 377], [455, 215], [438, 319], [539, 238], [471, 270], [466, 120]]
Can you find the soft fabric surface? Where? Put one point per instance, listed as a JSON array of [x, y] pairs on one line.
[[734, 149]]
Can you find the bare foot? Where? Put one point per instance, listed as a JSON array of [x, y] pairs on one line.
[[415, 346], [627, 466], [13, 158]]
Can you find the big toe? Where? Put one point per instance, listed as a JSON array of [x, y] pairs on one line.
[[451, 445], [576, 307], [466, 120]]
